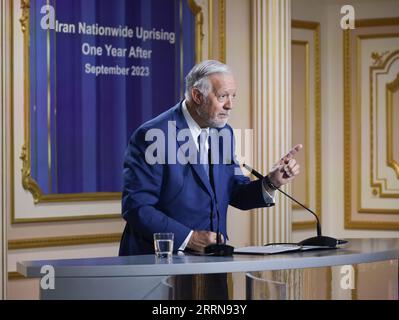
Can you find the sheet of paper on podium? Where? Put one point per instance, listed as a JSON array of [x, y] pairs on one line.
[[276, 248]]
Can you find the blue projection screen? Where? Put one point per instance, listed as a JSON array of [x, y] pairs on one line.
[[99, 69]]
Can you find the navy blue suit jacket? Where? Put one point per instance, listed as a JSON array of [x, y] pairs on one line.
[[177, 197]]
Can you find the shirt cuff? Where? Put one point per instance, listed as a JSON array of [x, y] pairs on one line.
[[269, 199], [185, 242]]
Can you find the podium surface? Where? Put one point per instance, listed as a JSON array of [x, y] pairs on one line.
[[146, 271]]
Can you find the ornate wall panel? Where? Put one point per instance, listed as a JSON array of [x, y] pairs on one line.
[[371, 111], [306, 119]]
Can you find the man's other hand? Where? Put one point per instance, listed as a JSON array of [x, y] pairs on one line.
[[200, 239], [286, 169]]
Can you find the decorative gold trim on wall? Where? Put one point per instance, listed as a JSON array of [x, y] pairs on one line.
[[381, 60], [222, 30], [24, 20], [199, 35], [63, 241], [347, 131], [210, 29], [315, 26], [307, 106], [301, 225], [349, 223], [377, 22], [390, 59], [302, 24], [391, 89], [14, 275], [376, 184]]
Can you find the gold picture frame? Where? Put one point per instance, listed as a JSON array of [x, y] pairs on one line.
[[28, 183], [349, 94]]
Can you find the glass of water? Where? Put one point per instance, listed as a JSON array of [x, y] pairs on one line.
[[163, 244]]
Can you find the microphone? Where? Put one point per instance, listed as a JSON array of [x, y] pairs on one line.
[[218, 248], [319, 240]]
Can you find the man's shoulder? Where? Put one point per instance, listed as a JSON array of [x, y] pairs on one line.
[[159, 122]]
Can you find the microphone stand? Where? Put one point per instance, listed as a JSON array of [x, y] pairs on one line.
[[218, 248], [319, 240]]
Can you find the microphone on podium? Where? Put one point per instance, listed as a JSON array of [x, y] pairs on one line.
[[319, 240], [218, 248]]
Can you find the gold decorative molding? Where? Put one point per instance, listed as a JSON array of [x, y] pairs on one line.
[[63, 241], [217, 8], [30, 184], [377, 22], [378, 58], [376, 186], [306, 203], [315, 27], [302, 225], [349, 223], [393, 56], [347, 131], [13, 276], [222, 30], [302, 24], [317, 138], [210, 29], [391, 88], [24, 20], [199, 35], [27, 182]]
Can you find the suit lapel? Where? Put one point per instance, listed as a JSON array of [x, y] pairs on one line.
[[217, 161], [181, 124]]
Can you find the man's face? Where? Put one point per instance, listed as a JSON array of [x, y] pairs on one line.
[[216, 108]]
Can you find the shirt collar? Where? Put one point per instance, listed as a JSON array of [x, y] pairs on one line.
[[195, 129]]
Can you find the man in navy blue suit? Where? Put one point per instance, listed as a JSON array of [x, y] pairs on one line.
[[172, 182]]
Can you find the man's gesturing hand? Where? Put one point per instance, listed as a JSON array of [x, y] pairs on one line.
[[200, 239], [286, 169]]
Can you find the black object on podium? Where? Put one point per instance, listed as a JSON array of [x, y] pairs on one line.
[[319, 240], [218, 248]]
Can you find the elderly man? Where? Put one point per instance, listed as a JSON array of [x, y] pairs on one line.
[[168, 190], [184, 198]]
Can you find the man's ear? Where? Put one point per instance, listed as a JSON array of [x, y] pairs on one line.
[[196, 95]]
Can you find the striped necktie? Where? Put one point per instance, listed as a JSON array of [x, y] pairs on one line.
[[203, 152]]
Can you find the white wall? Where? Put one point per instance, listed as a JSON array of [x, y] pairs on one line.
[[3, 124], [238, 56], [327, 12]]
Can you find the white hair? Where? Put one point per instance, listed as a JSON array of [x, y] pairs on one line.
[[198, 77]]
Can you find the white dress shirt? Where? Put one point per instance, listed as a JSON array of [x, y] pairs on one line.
[[195, 130]]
